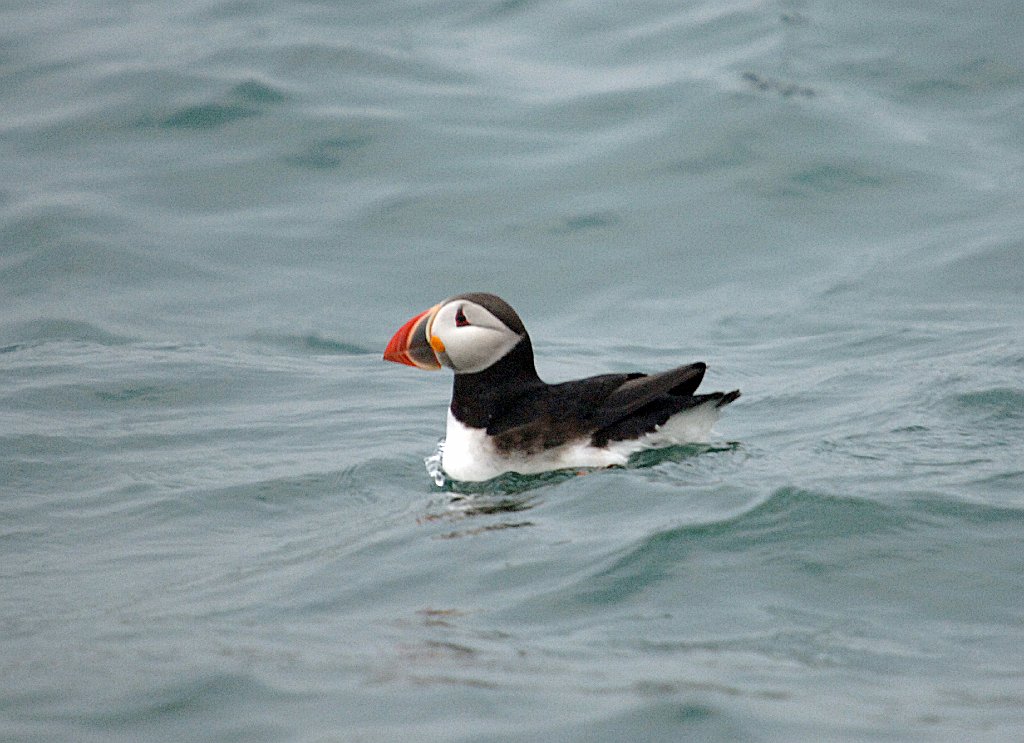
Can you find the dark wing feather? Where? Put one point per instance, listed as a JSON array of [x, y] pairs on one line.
[[548, 415], [603, 408], [655, 413], [639, 391]]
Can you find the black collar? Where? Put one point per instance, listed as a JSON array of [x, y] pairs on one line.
[[478, 398]]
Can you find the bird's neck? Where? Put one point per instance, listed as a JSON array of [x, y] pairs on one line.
[[477, 398]]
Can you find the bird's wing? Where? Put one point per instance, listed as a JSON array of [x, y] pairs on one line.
[[639, 391], [551, 415]]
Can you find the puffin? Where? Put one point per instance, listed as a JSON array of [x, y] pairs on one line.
[[504, 419]]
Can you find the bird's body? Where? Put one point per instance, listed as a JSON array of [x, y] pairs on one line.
[[504, 418]]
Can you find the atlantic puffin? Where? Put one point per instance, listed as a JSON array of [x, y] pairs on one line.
[[504, 418]]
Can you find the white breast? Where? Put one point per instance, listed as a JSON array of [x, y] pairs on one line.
[[470, 456]]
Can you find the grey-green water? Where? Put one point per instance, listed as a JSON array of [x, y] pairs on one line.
[[215, 520]]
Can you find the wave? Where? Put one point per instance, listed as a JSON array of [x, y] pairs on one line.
[[203, 695], [310, 343], [19, 335], [245, 99], [993, 404], [799, 532]]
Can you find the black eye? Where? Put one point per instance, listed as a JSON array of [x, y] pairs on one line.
[[460, 318]]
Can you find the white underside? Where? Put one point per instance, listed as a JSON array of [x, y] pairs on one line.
[[470, 456]]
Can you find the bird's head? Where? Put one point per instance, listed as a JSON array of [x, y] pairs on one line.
[[467, 333]]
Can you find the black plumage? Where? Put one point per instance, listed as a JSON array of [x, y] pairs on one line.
[[522, 413]]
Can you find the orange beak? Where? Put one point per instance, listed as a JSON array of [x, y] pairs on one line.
[[411, 344]]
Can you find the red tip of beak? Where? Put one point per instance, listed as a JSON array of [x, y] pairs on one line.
[[410, 345]]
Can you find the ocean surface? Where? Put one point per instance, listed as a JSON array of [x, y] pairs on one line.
[[216, 523]]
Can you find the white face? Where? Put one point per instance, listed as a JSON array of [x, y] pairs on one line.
[[472, 337]]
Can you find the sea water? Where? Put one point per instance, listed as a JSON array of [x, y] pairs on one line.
[[215, 519]]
